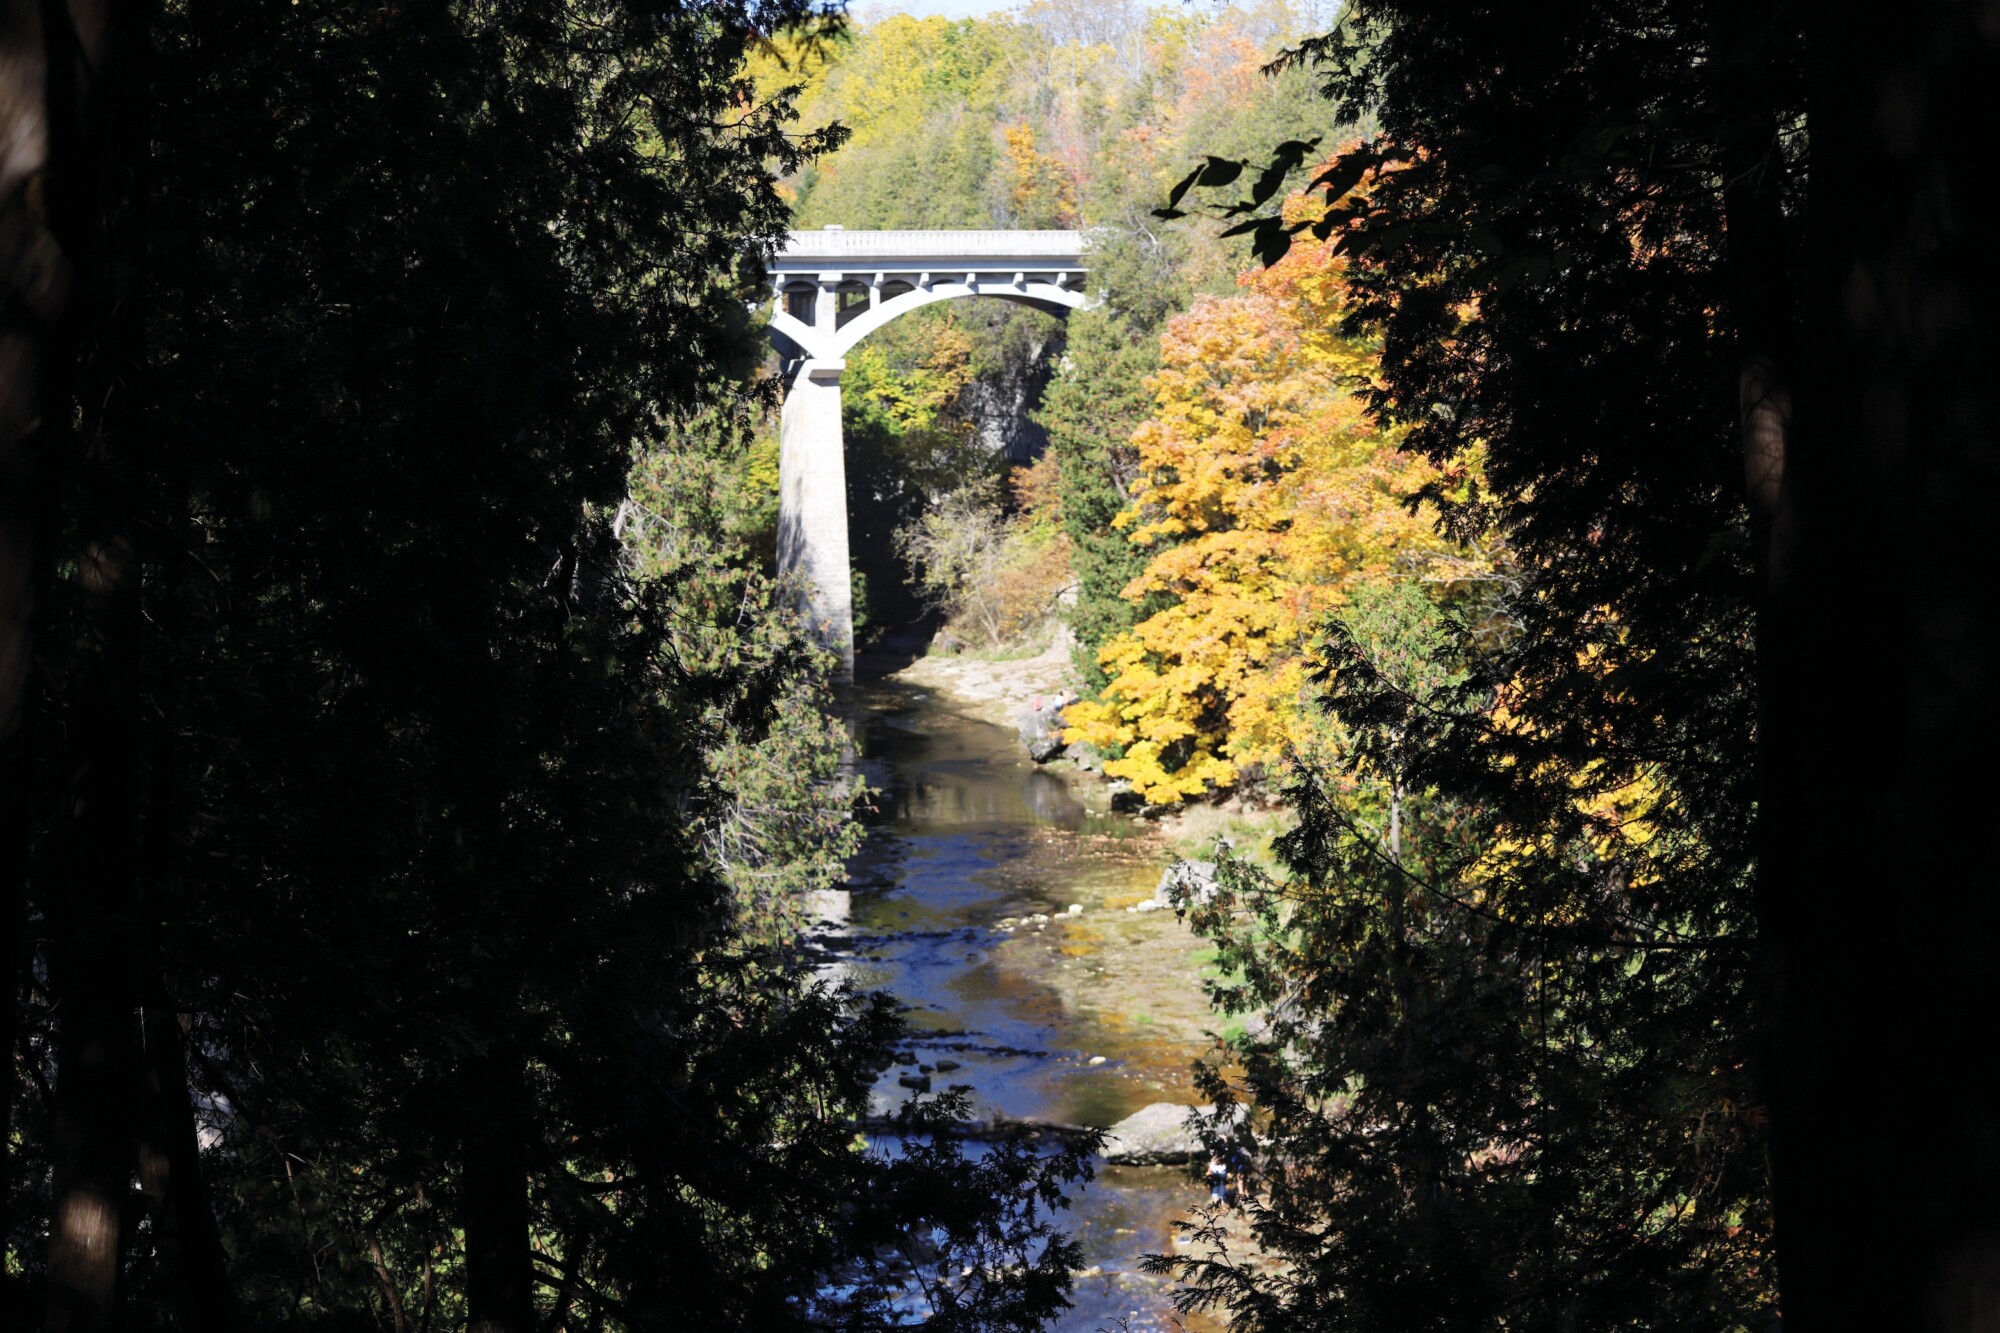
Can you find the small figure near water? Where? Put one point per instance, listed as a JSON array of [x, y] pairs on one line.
[[1228, 1175]]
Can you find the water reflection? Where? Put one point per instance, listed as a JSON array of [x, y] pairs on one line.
[[1052, 800], [968, 844]]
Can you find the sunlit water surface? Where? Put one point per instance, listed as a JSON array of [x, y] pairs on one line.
[[1063, 1022]]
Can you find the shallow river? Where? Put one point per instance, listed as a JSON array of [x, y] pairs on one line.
[[1083, 1020]]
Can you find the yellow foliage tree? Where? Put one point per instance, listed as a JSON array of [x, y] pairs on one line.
[[1266, 494], [1042, 192]]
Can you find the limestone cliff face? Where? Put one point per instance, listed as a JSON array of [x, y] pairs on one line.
[[999, 400]]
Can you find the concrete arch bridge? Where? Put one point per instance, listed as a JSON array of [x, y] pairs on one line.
[[829, 290]]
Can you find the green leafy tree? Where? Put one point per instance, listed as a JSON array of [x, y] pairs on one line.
[[924, 97], [1097, 398], [785, 824], [1475, 1057]]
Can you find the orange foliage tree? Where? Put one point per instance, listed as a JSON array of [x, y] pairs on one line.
[[1042, 191], [1266, 494]]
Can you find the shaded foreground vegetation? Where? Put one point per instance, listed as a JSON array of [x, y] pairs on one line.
[[410, 780], [1610, 955]]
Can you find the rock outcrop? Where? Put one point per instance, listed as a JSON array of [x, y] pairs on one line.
[[1084, 756], [1158, 1135], [1040, 725], [1000, 401]]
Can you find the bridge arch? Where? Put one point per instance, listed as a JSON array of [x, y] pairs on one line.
[[829, 290]]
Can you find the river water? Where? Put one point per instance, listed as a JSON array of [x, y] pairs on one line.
[[1082, 1019]]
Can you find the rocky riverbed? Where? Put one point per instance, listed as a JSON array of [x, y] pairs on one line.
[[993, 898], [991, 690]]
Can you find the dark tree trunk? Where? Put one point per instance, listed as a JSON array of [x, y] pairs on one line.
[[95, 929], [190, 1244], [35, 267], [1882, 921], [391, 1297], [499, 1272], [38, 259], [90, 976], [1746, 53], [576, 1254], [98, 148]]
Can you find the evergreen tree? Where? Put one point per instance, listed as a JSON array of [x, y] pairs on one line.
[[1096, 400]]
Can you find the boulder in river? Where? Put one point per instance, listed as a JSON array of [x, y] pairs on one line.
[[1085, 756], [1157, 1135], [1186, 883], [1041, 725]]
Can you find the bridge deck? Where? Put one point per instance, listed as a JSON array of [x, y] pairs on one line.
[[836, 248]]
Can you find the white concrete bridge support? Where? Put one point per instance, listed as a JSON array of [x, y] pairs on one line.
[[812, 505], [829, 290]]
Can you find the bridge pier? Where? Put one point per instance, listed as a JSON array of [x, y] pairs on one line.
[[812, 505], [832, 288]]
